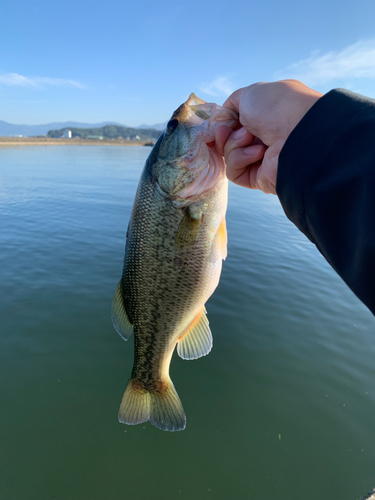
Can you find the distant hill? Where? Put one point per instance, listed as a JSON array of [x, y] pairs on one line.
[[11, 129], [109, 132], [157, 126]]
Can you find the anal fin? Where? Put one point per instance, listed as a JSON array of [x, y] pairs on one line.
[[197, 341]]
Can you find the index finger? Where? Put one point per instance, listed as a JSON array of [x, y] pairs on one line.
[[233, 101]]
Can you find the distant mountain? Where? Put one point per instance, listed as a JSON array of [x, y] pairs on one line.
[[9, 129], [157, 126]]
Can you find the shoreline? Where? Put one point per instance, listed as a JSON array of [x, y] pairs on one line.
[[49, 141]]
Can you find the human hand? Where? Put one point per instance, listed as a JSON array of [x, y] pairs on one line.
[[268, 113]]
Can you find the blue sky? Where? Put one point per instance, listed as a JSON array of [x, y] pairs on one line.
[[135, 62]]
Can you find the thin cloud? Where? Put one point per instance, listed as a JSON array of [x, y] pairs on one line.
[[16, 80], [218, 87], [355, 61]]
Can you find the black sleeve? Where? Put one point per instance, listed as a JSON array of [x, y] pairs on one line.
[[326, 185]]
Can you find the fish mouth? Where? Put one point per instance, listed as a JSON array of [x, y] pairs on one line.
[[204, 167], [185, 112], [197, 112]]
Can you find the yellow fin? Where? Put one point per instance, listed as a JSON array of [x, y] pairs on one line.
[[187, 233], [119, 317], [197, 341], [135, 405], [162, 408], [222, 239], [167, 412]]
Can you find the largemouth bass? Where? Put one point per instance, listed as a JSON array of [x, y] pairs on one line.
[[175, 245]]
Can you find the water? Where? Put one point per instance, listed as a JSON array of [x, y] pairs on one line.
[[283, 407]]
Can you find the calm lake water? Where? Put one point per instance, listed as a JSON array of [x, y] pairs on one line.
[[283, 407]]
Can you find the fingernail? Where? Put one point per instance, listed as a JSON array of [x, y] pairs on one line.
[[253, 150], [239, 134]]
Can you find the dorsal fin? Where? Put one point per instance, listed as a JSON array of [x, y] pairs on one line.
[[197, 341], [119, 317]]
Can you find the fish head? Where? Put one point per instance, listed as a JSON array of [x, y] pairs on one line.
[[187, 163]]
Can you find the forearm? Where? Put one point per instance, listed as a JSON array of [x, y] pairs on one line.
[[326, 185]]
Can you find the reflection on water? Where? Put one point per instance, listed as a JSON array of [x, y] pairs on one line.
[[283, 407]]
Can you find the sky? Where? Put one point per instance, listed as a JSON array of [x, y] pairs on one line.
[[134, 62]]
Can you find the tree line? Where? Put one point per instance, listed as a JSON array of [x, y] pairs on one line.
[[110, 132]]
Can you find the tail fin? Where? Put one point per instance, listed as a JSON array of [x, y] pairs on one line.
[[162, 408]]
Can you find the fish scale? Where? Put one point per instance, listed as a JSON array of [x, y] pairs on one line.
[[172, 265], [160, 276]]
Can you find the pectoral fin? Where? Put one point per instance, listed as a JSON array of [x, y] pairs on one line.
[[119, 317], [187, 233], [197, 341]]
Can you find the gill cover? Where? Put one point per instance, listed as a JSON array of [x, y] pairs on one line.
[[187, 166]]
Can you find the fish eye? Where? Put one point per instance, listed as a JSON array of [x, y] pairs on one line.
[[172, 125]]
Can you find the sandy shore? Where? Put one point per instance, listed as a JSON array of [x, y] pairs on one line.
[[48, 141]]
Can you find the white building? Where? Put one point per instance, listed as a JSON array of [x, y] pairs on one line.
[[67, 134]]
